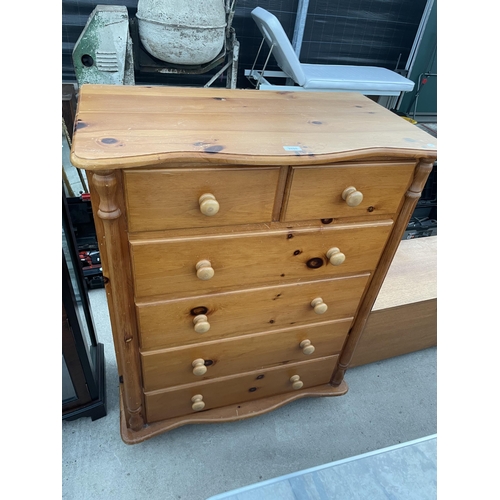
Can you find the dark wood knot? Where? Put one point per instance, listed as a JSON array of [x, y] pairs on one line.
[[314, 263]]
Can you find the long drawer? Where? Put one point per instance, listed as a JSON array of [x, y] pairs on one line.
[[170, 198], [173, 323], [186, 365], [169, 403], [316, 192], [205, 264]]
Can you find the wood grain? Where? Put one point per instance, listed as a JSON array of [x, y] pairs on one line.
[[108, 208], [127, 126], [397, 330], [171, 367], [403, 318], [226, 391], [252, 258], [229, 413], [415, 262], [168, 198], [265, 157], [317, 191], [408, 206], [170, 323]]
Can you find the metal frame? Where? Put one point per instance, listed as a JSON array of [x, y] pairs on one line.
[[257, 77], [416, 45], [419, 87]]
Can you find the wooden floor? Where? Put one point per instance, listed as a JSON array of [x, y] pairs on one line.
[[402, 472]]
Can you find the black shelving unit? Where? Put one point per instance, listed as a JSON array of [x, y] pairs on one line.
[[83, 374], [423, 221]]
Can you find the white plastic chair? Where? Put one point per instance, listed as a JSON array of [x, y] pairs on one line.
[[367, 80]]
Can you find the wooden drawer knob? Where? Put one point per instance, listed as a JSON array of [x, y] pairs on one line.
[[198, 403], [335, 256], [296, 382], [204, 270], [199, 367], [307, 347], [352, 196], [201, 324], [319, 306], [208, 204]]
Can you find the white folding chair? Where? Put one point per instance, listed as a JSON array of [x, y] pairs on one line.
[[367, 80]]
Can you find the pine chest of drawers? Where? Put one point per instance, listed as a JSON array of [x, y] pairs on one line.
[[244, 236]]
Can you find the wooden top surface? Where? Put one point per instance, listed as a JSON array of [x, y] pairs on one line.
[[412, 276], [128, 126]]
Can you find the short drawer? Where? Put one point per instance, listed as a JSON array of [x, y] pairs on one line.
[[174, 323], [205, 264], [186, 365], [316, 192], [193, 398], [170, 198]]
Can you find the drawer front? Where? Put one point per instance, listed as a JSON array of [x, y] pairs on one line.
[[172, 323], [248, 259], [316, 192], [178, 366], [169, 198], [171, 403]]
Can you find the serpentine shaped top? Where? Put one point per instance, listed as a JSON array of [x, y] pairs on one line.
[[129, 126]]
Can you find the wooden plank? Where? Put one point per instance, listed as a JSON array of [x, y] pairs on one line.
[[403, 318], [171, 367], [396, 331], [317, 191], [108, 207], [412, 276], [169, 198], [170, 323], [225, 391], [230, 413], [218, 125], [252, 258], [407, 208]]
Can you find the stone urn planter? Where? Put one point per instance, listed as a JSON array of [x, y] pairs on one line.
[[182, 32]]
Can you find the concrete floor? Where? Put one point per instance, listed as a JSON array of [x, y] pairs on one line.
[[389, 402], [406, 471]]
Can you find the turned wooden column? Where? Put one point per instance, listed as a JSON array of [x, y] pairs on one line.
[[414, 192], [108, 206]]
